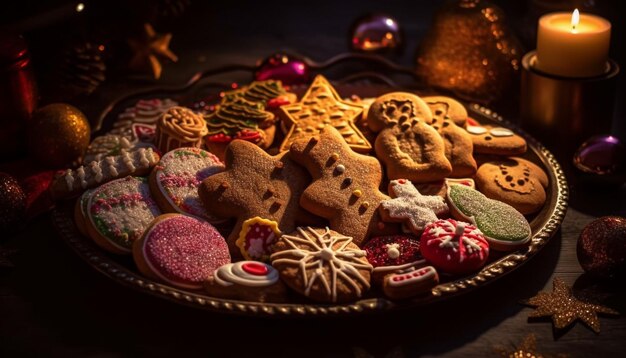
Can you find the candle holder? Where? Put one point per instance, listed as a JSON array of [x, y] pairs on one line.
[[563, 111]]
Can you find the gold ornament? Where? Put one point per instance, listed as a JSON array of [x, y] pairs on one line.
[[58, 135], [469, 50], [527, 349], [148, 51], [564, 308]]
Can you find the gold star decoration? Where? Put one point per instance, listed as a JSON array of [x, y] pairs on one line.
[[565, 309], [148, 51], [526, 349]]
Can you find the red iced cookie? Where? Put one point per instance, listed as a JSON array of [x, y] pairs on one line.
[[454, 246], [180, 250], [393, 254]]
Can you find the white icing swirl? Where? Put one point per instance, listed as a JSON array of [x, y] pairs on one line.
[[234, 273], [96, 170], [69, 179], [81, 176]]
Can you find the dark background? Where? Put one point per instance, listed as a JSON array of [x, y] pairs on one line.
[[53, 304]]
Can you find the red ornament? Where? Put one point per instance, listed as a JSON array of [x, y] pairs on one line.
[[286, 68], [601, 247], [12, 203]]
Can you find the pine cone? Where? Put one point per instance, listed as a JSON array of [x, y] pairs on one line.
[[83, 69]]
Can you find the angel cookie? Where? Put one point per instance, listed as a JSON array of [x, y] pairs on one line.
[[345, 185], [408, 146], [253, 184], [320, 107]]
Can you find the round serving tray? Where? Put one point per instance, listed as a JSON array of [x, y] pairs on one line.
[[122, 270]]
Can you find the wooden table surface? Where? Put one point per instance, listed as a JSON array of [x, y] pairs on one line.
[[53, 304]]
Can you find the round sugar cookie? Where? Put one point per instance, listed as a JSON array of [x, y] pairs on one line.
[[180, 250]]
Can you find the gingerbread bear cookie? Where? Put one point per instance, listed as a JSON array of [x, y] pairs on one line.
[[174, 181], [408, 146], [253, 184], [246, 280], [449, 118], [514, 181], [409, 206], [443, 107], [320, 107], [322, 264], [489, 139], [505, 228], [345, 185]]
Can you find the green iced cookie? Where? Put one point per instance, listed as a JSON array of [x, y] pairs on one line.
[[505, 228]]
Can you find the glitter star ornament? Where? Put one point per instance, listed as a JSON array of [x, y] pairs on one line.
[[565, 309], [148, 51], [526, 349]]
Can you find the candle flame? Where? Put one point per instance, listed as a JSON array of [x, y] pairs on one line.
[[575, 19]]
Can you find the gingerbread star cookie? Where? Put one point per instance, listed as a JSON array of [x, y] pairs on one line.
[[408, 146], [320, 107], [409, 206], [449, 118], [253, 184], [345, 185]]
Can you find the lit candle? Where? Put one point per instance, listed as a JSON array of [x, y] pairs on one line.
[[573, 45]]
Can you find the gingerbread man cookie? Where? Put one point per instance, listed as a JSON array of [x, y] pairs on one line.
[[514, 181], [408, 146], [320, 107], [255, 183], [449, 118], [345, 185], [488, 139], [409, 206]]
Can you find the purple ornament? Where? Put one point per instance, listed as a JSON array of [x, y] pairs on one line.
[[600, 155], [376, 33], [286, 68]]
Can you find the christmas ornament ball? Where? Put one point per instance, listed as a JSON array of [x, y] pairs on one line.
[[601, 247], [12, 202], [290, 70], [58, 135]]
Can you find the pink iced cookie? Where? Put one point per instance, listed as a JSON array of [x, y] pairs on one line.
[[176, 178], [180, 250], [454, 246]]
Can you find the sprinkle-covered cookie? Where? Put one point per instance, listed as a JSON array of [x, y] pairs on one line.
[[453, 246], [257, 238], [248, 281], [321, 107], [180, 250], [119, 212], [505, 228], [514, 181], [408, 205], [393, 254], [345, 185], [255, 183], [175, 180], [322, 264]]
